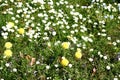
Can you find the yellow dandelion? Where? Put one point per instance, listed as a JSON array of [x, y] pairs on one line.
[[8, 45], [66, 45], [10, 24], [78, 54], [8, 53], [64, 61], [21, 30]]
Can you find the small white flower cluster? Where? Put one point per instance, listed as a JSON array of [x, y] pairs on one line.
[[102, 56]]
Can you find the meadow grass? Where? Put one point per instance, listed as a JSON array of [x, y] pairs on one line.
[[59, 40]]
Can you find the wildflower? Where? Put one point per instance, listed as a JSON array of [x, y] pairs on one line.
[[47, 67], [105, 57], [108, 38], [21, 31], [118, 41], [78, 54], [65, 45], [4, 34], [114, 43], [10, 24], [108, 67], [70, 65], [8, 53], [48, 78], [115, 78], [101, 55], [91, 59], [8, 45], [14, 70], [53, 33], [37, 62], [7, 64], [70, 37], [56, 65], [64, 62]]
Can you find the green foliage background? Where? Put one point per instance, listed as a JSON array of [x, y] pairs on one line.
[[81, 69]]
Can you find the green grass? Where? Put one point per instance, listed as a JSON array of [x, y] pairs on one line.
[[96, 39]]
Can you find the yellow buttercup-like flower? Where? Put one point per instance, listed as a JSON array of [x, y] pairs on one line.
[[64, 61], [78, 54], [66, 45], [8, 45], [10, 24], [21, 30], [8, 53]]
